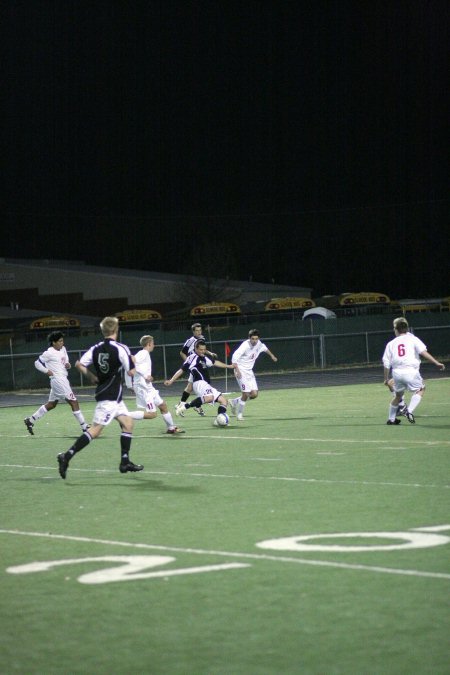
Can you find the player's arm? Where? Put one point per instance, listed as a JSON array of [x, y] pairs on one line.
[[426, 355], [272, 356], [86, 372], [174, 377], [82, 366], [231, 366], [387, 366], [67, 364], [39, 364]]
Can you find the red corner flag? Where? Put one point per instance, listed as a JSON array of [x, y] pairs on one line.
[[227, 349]]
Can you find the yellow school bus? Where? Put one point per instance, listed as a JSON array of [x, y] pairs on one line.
[[216, 309], [412, 306], [280, 304], [351, 299], [47, 322], [138, 315]]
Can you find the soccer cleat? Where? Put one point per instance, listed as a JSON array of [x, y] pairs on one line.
[[402, 409], [63, 464], [29, 425], [240, 417], [85, 427], [410, 417], [180, 409], [129, 466], [200, 411], [175, 430], [396, 421], [234, 406]]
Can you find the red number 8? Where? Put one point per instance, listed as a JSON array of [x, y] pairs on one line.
[[401, 350]]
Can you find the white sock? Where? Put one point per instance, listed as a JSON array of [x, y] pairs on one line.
[[137, 414], [40, 412], [79, 416], [168, 419], [392, 411], [414, 402], [241, 406]]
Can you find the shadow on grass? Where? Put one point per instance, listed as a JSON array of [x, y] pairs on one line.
[[131, 482]]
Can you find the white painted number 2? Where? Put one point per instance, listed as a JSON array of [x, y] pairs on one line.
[[132, 568]]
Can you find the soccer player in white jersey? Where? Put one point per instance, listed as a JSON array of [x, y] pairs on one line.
[[186, 350], [54, 363], [402, 358], [244, 357], [147, 397]]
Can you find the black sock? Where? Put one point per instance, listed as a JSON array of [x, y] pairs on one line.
[[184, 396], [81, 442], [221, 410], [196, 403], [125, 444]]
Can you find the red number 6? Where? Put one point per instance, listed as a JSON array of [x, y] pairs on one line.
[[401, 350]]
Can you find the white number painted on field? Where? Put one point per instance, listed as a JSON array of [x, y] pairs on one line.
[[131, 569], [420, 537]]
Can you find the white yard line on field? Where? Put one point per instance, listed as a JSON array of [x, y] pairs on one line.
[[292, 479], [234, 554]]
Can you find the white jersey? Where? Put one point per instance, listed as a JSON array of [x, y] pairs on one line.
[[143, 366], [54, 360], [246, 354], [403, 352]]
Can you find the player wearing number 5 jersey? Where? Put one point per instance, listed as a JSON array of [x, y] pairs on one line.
[[402, 358], [110, 360]]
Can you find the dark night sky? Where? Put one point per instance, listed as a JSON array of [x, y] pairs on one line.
[[301, 141]]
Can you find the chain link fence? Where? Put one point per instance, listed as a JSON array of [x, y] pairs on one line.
[[298, 352]]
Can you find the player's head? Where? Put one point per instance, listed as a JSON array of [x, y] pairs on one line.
[[55, 336], [401, 325], [109, 326], [200, 347], [196, 329], [147, 341], [253, 335]]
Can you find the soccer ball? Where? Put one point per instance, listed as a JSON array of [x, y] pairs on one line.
[[222, 420]]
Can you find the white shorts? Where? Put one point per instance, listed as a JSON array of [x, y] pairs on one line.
[[407, 378], [247, 381], [202, 388], [106, 411], [148, 398], [60, 390]]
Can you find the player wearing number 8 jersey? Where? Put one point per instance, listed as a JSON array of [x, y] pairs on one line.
[[402, 358]]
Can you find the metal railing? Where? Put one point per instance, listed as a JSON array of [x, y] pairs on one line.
[[319, 351]]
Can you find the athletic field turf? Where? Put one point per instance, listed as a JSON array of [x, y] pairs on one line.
[[310, 538]]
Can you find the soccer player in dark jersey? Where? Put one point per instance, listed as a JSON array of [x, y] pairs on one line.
[[197, 365], [109, 359], [186, 350]]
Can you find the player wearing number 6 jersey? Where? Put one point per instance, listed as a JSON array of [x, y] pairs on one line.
[[402, 358]]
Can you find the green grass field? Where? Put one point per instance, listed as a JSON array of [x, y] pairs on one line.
[[218, 558]]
